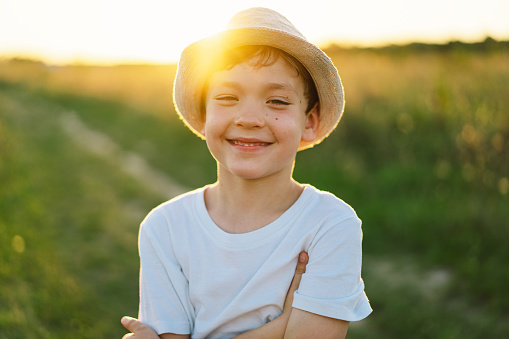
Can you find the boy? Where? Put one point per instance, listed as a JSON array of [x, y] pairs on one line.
[[218, 262]]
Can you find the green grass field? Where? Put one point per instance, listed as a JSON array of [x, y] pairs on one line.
[[422, 153]]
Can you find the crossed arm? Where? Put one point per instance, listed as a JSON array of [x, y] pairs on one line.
[[293, 323]]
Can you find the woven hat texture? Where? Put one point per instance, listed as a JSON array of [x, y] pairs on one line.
[[257, 26]]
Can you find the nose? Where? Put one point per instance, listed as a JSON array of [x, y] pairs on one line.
[[250, 115]]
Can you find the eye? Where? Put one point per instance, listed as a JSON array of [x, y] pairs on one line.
[[278, 102], [226, 98]]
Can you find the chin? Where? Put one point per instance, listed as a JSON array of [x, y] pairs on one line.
[[248, 172], [248, 175]]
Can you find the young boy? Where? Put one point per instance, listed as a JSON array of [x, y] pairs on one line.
[[218, 262]]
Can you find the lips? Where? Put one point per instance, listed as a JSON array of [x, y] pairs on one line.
[[248, 142]]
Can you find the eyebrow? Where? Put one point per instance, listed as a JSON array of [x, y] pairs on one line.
[[283, 86], [270, 86]]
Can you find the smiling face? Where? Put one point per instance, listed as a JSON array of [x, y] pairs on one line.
[[256, 119]]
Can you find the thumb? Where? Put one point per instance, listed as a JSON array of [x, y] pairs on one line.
[[294, 285], [132, 324], [301, 263], [299, 271]]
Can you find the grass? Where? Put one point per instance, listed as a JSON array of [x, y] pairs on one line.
[[68, 238], [422, 153]]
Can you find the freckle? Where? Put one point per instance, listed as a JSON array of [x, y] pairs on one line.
[[277, 118]]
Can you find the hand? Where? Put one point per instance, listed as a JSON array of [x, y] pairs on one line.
[[139, 330], [299, 271], [275, 328]]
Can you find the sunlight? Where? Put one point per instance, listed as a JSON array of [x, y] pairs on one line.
[[157, 30]]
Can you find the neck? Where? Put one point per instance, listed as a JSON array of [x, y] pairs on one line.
[[241, 205]]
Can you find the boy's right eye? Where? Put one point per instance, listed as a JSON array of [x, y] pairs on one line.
[[226, 98]]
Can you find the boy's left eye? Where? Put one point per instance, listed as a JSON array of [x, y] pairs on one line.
[[278, 102]]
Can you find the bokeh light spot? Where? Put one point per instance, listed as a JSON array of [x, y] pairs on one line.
[[18, 244]]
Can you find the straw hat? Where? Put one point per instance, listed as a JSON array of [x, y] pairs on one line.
[[257, 26]]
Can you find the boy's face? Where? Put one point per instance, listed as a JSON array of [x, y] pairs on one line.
[[256, 120]]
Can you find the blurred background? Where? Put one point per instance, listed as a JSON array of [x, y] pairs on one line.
[[90, 143]]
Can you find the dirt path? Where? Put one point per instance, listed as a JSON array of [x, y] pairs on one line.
[[132, 163]]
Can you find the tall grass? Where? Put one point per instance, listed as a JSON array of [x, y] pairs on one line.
[[422, 153], [67, 230]]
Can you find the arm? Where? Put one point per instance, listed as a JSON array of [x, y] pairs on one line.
[[174, 336], [141, 331], [332, 292], [164, 290], [294, 323], [277, 327], [159, 283], [273, 329], [304, 324]]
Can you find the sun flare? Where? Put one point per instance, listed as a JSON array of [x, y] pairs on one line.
[[158, 30]]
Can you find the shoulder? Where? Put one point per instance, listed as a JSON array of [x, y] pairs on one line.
[[177, 207], [330, 221], [329, 206]]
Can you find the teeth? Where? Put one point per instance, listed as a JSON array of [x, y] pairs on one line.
[[235, 142]]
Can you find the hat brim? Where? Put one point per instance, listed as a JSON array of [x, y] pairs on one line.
[[192, 70]]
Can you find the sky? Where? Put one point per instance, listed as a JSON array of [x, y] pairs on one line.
[[126, 31]]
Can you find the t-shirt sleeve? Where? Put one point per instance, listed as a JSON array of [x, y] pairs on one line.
[[164, 290], [332, 285]]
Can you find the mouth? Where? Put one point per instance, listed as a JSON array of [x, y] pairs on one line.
[[249, 143]]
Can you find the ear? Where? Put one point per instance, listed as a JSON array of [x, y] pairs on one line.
[[312, 123]]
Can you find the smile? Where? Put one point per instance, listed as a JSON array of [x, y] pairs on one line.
[[248, 144]]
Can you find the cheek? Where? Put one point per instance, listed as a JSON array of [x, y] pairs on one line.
[[210, 120], [212, 140], [214, 129], [287, 129]]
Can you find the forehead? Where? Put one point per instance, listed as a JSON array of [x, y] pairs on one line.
[[279, 75]]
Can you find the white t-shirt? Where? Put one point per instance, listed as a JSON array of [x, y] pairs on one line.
[[197, 279]]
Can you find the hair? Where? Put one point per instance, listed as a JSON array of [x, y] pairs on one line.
[[260, 56]]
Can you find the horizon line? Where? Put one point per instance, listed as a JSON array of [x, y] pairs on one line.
[[114, 61]]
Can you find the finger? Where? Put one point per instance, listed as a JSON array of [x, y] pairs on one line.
[[294, 285], [299, 271], [132, 324], [302, 262]]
